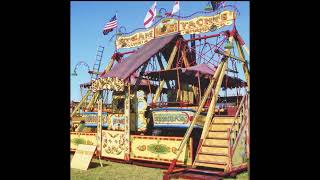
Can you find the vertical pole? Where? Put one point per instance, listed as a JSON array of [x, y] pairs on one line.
[[99, 130], [115, 42], [199, 86], [127, 125]]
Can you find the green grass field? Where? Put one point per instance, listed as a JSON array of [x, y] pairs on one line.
[[119, 171]]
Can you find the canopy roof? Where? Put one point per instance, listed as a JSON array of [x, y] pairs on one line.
[[130, 64]]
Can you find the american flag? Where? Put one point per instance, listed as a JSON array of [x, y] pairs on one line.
[[110, 25]]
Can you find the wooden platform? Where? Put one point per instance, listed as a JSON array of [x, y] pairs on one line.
[[202, 174]]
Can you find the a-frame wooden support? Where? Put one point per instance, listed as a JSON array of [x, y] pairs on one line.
[[170, 62]]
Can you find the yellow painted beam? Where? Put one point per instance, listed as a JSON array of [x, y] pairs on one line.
[[195, 117], [97, 93], [211, 109], [80, 103], [244, 64], [170, 61]]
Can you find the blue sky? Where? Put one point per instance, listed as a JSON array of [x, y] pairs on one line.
[[88, 18]]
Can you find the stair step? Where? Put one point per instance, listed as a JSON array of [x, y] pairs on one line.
[[213, 154], [220, 127], [216, 142], [211, 162], [221, 123], [212, 165], [223, 119], [214, 146], [217, 134], [213, 158], [221, 150], [218, 130], [219, 138]]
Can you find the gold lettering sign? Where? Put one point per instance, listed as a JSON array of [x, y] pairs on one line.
[[134, 40], [197, 25], [168, 25]]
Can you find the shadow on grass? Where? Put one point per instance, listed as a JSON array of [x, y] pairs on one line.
[[97, 164]]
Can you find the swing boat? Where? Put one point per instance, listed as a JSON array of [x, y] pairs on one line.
[[171, 116]]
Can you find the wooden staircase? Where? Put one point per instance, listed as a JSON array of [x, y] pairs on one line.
[[215, 150]]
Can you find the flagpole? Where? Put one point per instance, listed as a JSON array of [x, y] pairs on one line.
[[115, 42], [179, 18]]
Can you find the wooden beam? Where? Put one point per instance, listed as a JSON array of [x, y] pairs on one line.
[[244, 65], [211, 109], [80, 103], [184, 57], [170, 61], [195, 117], [162, 67], [229, 55], [97, 93], [93, 99]]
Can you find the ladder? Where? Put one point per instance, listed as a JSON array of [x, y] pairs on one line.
[[97, 63]]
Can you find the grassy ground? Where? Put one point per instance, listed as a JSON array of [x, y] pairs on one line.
[[119, 171]]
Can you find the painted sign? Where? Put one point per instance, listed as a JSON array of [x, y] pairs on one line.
[[201, 24], [160, 149], [82, 157], [93, 119], [166, 26], [176, 117], [113, 144], [172, 117], [134, 40]]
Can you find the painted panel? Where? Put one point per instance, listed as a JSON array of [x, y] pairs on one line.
[[113, 144], [158, 148], [142, 105], [117, 122], [91, 119], [77, 138]]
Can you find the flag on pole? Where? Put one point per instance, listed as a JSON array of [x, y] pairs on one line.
[[151, 14], [110, 25], [176, 7], [217, 4]]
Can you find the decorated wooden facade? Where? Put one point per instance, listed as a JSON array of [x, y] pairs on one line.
[[189, 128]]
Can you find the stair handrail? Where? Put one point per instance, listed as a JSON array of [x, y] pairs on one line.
[[243, 122], [237, 114]]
